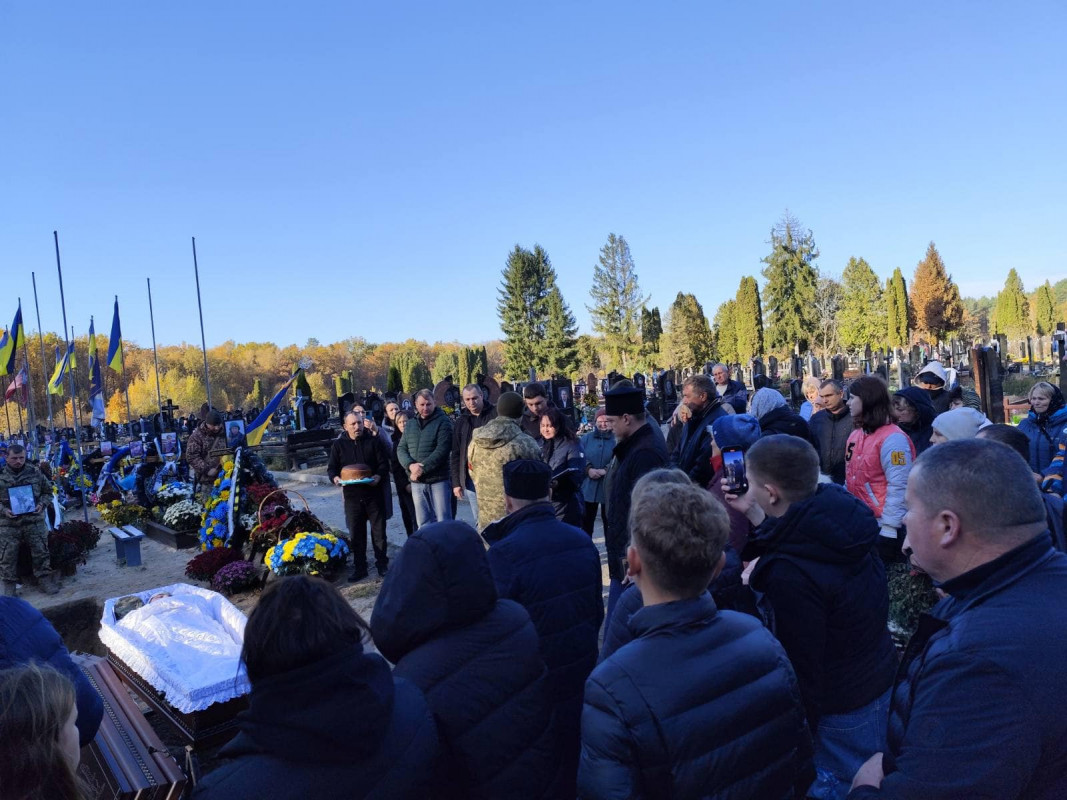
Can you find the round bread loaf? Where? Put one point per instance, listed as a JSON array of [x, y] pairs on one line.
[[356, 472]]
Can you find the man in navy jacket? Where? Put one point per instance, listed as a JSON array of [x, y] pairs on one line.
[[25, 635], [553, 570], [701, 703], [978, 709]]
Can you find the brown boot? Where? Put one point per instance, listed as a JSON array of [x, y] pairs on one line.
[[9, 589], [49, 583]]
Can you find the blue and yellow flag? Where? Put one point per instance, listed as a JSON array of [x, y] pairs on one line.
[[6, 346], [114, 346], [96, 383], [16, 339], [254, 432], [55, 383]]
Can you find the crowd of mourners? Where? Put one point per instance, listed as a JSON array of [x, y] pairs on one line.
[[743, 649]]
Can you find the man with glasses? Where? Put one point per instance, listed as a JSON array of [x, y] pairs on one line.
[[830, 429]]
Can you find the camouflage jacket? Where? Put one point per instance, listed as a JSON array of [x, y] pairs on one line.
[[493, 445], [29, 475], [198, 451]]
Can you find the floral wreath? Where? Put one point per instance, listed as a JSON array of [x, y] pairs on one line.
[[216, 526]]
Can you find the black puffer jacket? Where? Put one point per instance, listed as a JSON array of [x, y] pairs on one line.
[[340, 728], [462, 431], [476, 658], [784, 420], [922, 429], [826, 588], [693, 452]]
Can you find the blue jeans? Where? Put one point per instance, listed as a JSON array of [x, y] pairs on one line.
[[433, 502], [472, 498], [843, 742]]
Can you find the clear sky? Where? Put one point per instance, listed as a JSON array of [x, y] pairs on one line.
[[358, 169]]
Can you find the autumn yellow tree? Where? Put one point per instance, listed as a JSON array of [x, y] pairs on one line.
[[935, 299]]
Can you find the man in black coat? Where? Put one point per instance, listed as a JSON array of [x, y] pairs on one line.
[[553, 570], [363, 502], [693, 453], [476, 413], [978, 708], [830, 428], [639, 449]]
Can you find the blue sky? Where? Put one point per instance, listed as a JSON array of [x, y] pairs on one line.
[[363, 170]]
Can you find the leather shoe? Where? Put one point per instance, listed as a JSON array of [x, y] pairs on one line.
[[358, 574], [382, 569]]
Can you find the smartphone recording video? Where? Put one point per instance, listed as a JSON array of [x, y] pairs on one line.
[[733, 471]]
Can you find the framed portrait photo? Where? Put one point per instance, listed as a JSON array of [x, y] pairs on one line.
[[21, 500]]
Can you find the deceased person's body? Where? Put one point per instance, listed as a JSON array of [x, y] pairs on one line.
[[185, 641]]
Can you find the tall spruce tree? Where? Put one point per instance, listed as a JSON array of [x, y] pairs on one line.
[[1044, 310], [863, 307], [789, 294], [447, 363], [935, 298], [414, 374], [725, 332], [688, 341], [748, 320], [522, 304], [561, 337], [1012, 316], [651, 331], [394, 383], [617, 303]]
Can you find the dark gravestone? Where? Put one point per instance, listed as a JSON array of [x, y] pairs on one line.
[[639, 380], [796, 393], [796, 368], [837, 367], [814, 367], [667, 389], [988, 382], [916, 358], [772, 367], [756, 366], [882, 370], [563, 394]]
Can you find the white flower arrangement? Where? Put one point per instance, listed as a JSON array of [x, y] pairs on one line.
[[249, 521], [173, 493], [184, 515]]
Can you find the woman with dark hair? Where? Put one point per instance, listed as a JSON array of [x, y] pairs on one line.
[[561, 451], [39, 748], [325, 718], [598, 447], [1046, 424], [400, 475], [878, 458]]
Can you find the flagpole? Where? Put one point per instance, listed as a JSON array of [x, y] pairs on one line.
[[40, 337], [31, 415], [155, 353], [7, 413], [73, 396], [203, 341], [125, 377]]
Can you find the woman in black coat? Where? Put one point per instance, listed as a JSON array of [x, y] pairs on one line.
[[400, 475], [477, 658], [325, 718], [562, 452]]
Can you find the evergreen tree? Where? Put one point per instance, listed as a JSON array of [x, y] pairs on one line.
[[444, 365], [561, 337], [725, 325], [523, 308], [898, 310], [414, 374], [394, 383], [688, 335], [651, 331], [863, 308], [588, 353], [617, 302], [748, 320], [473, 361], [935, 298], [789, 294], [1013, 309], [1044, 310]]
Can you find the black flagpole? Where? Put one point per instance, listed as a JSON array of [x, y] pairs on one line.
[[155, 354], [203, 341], [73, 396], [40, 338]]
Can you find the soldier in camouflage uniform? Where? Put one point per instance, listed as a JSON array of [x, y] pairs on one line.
[[29, 528], [493, 445]]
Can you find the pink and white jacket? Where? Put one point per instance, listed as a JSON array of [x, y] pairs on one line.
[[876, 471]]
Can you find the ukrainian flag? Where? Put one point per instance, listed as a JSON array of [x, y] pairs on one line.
[[55, 383], [114, 346], [254, 432], [6, 346], [96, 383], [16, 339]]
